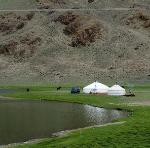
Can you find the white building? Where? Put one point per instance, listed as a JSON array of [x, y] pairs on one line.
[[116, 90], [96, 87]]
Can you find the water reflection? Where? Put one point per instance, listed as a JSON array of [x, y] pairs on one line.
[[101, 115]]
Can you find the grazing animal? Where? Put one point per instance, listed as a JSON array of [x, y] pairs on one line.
[[28, 89], [58, 88]]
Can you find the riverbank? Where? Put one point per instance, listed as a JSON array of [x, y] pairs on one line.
[[59, 135], [133, 133]]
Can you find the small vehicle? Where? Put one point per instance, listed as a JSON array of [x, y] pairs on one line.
[[75, 90]]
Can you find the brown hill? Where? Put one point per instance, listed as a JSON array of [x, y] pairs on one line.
[[77, 45]]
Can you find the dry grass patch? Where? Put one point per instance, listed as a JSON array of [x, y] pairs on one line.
[[23, 48], [11, 22], [82, 29], [46, 4], [140, 18]]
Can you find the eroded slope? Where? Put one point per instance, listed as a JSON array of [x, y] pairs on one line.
[[74, 45]]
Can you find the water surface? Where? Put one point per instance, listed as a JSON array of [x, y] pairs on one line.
[[6, 91], [25, 120]]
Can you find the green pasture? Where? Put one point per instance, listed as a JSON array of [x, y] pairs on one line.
[[135, 132]]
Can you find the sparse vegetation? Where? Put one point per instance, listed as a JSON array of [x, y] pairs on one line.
[[11, 22], [46, 4], [139, 18], [25, 47], [147, 24], [91, 1], [83, 29], [83, 45]]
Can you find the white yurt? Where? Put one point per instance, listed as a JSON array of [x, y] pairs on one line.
[[96, 87], [116, 90]]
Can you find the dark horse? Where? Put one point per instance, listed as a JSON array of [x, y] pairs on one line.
[[58, 88], [27, 89]]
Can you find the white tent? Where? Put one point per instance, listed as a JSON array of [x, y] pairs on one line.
[[116, 90], [96, 87]]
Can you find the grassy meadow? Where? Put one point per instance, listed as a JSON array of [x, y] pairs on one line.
[[135, 132]]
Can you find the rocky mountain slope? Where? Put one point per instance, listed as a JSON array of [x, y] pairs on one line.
[[74, 41]]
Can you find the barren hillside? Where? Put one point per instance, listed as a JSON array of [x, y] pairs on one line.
[[74, 41]]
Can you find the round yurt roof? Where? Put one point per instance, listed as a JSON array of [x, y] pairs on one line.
[[116, 90], [116, 87], [97, 85]]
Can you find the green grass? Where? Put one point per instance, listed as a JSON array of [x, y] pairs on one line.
[[134, 133]]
